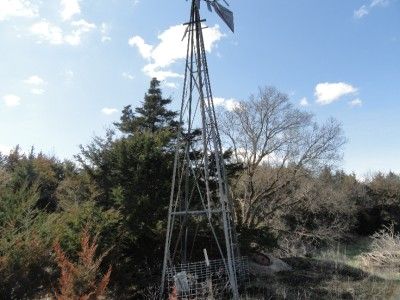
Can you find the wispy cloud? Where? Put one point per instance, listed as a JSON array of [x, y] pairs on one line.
[[69, 8], [170, 49], [109, 111], [37, 91], [144, 49], [105, 39], [34, 80], [171, 85], [327, 93], [379, 3], [127, 75], [229, 104], [366, 8], [361, 12], [17, 8], [79, 28], [36, 83], [356, 102], [11, 100], [304, 102], [69, 75], [53, 34], [47, 32], [105, 32]]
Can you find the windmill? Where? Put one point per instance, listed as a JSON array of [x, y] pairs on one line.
[[199, 199]]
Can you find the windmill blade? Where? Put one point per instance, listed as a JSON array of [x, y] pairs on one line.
[[225, 14], [227, 4], [209, 6]]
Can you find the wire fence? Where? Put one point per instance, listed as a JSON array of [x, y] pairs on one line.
[[201, 281]]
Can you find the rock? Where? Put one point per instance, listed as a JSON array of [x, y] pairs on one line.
[[266, 264]]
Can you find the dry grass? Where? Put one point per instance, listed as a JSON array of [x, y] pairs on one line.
[[384, 251], [337, 273]]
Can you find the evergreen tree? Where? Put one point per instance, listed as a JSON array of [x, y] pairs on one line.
[[133, 173], [151, 116]]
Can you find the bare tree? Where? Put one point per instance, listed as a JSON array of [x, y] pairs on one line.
[[326, 215], [277, 144]]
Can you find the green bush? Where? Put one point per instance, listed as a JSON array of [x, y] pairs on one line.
[[24, 254]]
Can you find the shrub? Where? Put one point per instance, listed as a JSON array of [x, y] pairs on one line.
[[80, 280], [24, 255], [385, 249]]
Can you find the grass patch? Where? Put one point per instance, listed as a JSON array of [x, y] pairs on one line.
[[332, 274]]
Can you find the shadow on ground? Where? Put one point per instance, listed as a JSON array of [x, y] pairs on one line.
[[322, 279]]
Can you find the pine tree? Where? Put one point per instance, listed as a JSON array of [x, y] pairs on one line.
[[151, 116], [133, 174]]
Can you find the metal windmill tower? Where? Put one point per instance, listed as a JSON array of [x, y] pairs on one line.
[[201, 259]]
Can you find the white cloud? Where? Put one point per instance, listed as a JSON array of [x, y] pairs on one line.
[[109, 111], [11, 100], [105, 32], [105, 39], [5, 149], [170, 49], [379, 3], [17, 8], [361, 12], [304, 102], [34, 80], [365, 9], [171, 85], [37, 91], [69, 8], [152, 70], [69, 75], [127, 75], [83, 25], [48, 32], [356, 102], [37, 83], [53, 34], [80, 27], [144, 49], [229, 104], [327, 93]]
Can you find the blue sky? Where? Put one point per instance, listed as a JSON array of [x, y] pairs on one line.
[[68, 67]]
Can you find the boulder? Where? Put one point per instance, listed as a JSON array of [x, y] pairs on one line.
[[265, 264]]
